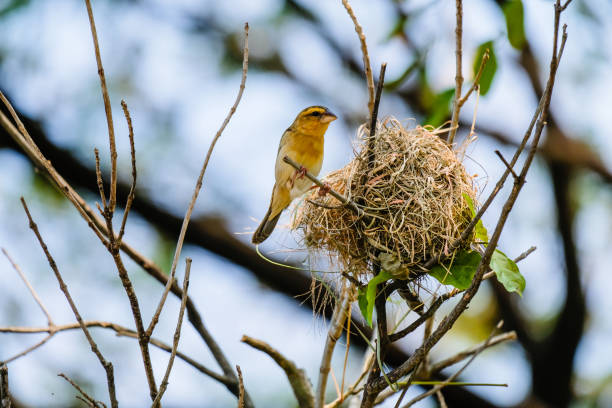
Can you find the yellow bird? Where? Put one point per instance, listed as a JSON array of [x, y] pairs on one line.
[[303, 143]]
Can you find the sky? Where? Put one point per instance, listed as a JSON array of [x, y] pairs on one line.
[[179, 92]]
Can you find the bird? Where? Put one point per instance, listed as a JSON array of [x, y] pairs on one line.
[[303, 143]]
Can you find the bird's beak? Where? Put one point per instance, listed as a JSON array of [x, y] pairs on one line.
[[328, 116]]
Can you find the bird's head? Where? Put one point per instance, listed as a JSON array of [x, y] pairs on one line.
[[314, 119]]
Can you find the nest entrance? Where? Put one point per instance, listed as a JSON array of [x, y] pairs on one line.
[[414, 190]]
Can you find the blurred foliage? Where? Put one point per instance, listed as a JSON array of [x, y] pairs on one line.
[[513, 13], [11, 6]]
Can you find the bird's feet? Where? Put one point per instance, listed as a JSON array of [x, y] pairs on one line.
[[298, 174], [324, 190]]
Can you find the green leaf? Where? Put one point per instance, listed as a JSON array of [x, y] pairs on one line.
[[513, 12], [507, 272], [459, 272], [481, 232], [440, 108], [367, 295], [490, 68]]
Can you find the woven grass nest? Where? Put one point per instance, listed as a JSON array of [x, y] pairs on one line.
[[414, 190]]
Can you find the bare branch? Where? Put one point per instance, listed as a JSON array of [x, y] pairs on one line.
[[30, 288], [179, 245], [345, 201], [241, 383], [490, 342], [355, 388], [123, 332], [177, 335], [108, 366], [458, 71], [130, 199], [366, 57], [452, 378], [297, 377], [30, 349], [476, 83], [341, 311], [99, 179], [85, 397], [503, 159], [98, 226], [107, 109]]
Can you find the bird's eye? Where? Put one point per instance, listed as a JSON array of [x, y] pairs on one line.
[[315, 113]]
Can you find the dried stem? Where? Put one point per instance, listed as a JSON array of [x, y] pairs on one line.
[[355, 388], [438, 302], [503, 159], [366, 57], [30, 288], [130, 199], [86, 397], [179, 245], [241, 386], [177, 335], [107, 109], [108, 366], [458, 71], [452, 378], [341, 311], [98, 226], [345, 201], [121, 331], [490, 342], [297, 377], [475, 84]]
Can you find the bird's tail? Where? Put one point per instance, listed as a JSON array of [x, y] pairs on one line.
[[266, 227]]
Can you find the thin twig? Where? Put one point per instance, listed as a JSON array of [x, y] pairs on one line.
[[503, 159], [177, 335], [108, 366], [241, 386], [476, 83], [99, 179], [458, 71], [30, 288], [374, 114], [123, 332], [107, 109], [87, 398], [355, 388], [452, 378], [300, 384], [31, 348], [490, 342], [131, 195], [438, 302], [366, 57], [333, 334], [345, 201], [441, 400], [98, 226], [225, 366]]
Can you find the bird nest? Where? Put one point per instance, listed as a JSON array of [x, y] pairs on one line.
[[412, 187]]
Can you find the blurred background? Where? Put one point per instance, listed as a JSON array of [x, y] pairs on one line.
[[177, 65]]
